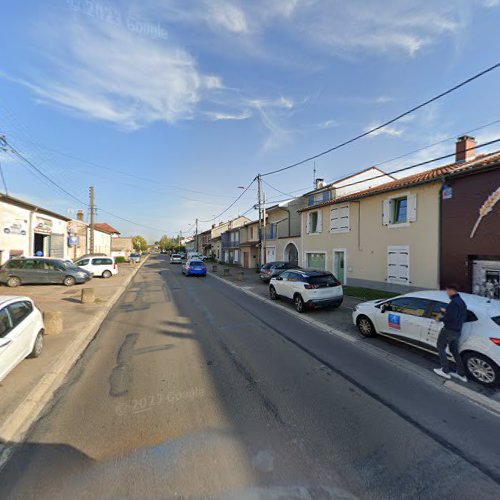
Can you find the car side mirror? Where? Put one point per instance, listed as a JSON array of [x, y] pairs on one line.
[[384, 308], [279, 278]]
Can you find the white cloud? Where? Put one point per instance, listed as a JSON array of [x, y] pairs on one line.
[[391, 131], [491, 3], [326, 124], [108, 73], [217, 116], [222, 14]]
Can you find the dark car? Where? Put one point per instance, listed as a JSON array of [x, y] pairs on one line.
[[41, 270], [272, 269]]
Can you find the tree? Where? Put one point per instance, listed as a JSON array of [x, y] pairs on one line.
[[140, 244]]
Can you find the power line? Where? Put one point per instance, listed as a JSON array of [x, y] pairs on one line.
[[389, 122], [232, 204]]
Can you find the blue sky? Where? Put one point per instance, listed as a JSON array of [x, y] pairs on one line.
[[174, 104]]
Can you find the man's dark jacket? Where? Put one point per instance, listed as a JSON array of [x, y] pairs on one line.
[[455, 314]]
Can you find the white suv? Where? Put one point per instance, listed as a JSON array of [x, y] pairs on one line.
[[99, 266], [307, 289], [412, 318]]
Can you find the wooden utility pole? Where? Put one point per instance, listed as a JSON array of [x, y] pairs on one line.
[[259, 253], [196, 236], [264, 252], [92, 218]]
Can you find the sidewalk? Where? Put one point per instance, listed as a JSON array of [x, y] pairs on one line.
[[79, 321]]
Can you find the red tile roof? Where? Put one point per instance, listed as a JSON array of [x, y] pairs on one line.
[[479, 162], [106, 228]]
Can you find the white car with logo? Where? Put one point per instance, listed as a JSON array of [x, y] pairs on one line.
[[413, 318], [21, 332]]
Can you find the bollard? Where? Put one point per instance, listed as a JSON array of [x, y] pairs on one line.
[[88, 296], [241, 276], [214, 268], [53, 322], [226, 271]]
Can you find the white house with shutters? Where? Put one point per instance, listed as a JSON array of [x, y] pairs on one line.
[[376, 231]]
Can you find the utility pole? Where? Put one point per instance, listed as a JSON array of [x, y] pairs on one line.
[[196, 236], [92, 218], [264, 252], [3, 147], [259, 253]]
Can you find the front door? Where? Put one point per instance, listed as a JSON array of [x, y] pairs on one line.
[[339, 265], [270, 254], [245, 260]]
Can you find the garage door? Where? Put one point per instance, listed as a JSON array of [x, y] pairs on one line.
[[56, 246], [398, 264]]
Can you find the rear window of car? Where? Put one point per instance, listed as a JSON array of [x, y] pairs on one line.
[[196, 263], [496, 319], [323, 280], [176, 256], [266, 266]]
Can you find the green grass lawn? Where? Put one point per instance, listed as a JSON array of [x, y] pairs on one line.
[[367, 293]]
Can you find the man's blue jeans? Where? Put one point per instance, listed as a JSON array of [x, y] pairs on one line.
[[449, 338]]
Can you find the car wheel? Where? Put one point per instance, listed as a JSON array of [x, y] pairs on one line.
[[106, 274], [272, 293], [299, 304], [69, 281], [365, 326], [481, 369], [37, 346], [13, 281]]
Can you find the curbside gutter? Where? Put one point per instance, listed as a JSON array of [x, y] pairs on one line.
[[16, 426], [473, 396]]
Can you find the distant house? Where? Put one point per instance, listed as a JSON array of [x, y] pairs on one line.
[[103, 235], [121, 246]]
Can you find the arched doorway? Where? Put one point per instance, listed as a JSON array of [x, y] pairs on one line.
[[292, 254]]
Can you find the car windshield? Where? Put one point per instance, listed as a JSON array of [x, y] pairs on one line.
[[66, 265]]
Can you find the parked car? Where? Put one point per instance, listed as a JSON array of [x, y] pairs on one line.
[[272, 269], [135, 257], [413, 318], [21, 332], [41, 270], [98, 266], [175, 258], [307, 289], [194, 267]]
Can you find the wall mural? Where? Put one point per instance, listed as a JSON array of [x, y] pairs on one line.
[[485, 209]]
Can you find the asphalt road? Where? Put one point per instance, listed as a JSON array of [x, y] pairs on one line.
[[193, 389]]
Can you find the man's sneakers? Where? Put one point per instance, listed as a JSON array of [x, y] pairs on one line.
[[462, 378], [441, 373]]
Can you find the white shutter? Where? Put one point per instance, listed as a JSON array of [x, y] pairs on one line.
[[334, 219], [344, 218], [412, 207], [386, 214], [398, 264], [320, 221]]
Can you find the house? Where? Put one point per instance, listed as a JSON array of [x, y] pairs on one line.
[[121, 246], [470, 223], [249, 244], [103, 235], [230, 240], [386, 236], [27, 229], [216, 231]]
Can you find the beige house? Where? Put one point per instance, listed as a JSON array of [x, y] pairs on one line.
[[385, 236], [249, 244], [215, 241]]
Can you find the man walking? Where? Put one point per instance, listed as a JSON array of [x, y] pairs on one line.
[[453, 319]]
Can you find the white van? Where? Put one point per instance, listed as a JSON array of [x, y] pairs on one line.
[[98, 265]]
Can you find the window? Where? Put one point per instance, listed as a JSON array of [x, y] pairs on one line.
[[400, 207], [398, 264], [339, 219], [400, 210], [438, 309], [5, 323], [251, 233], [83, 262], [285, 275], [18, 311], [496, 319], [314, 222], [316, 260], [322, 281], [409, 305], [101, 262], [15, 264]]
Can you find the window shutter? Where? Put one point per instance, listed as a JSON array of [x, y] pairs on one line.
[[334, 219], [308, 224], [320, 221], [412, 207], [386, 214], [344, 218]]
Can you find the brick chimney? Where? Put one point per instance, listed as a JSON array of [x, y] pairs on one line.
[[79, 215], [464, 143]]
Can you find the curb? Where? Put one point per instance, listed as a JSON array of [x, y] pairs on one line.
[[473, 396], [14, 429]]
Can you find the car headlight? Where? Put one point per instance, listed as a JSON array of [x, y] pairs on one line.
[[81, 274]]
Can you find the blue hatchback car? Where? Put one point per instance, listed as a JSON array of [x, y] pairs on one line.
[[194, 267]]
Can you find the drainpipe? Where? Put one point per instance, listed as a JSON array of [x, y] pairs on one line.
[[440, 236], [32, 233]]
